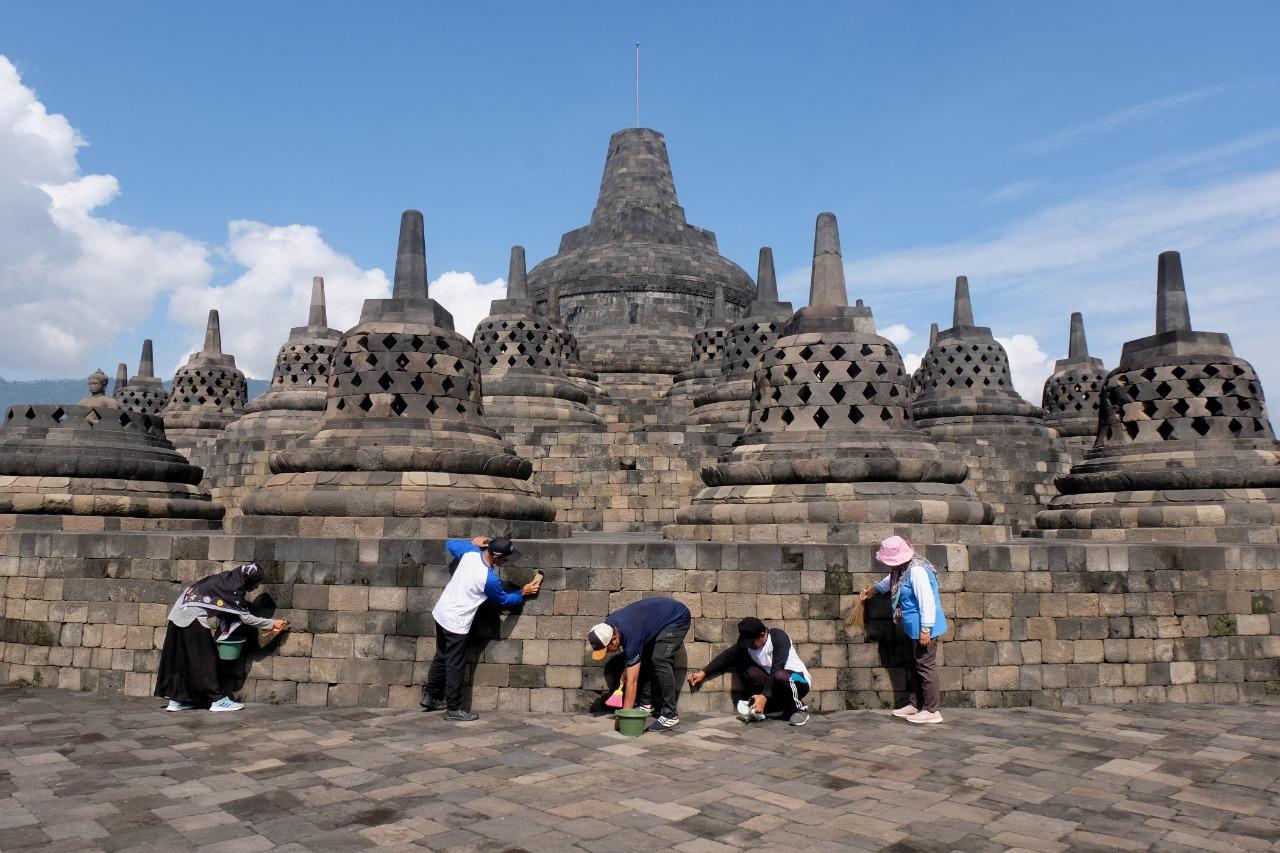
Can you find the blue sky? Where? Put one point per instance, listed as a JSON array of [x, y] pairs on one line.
[[1049, 152]]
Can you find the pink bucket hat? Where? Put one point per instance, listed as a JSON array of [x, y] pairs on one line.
[[895, 551]]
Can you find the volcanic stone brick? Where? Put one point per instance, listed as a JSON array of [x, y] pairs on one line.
[[403, 437], [638, 281], [1185, 450], [98, 459], [829, 446], [208, 393]]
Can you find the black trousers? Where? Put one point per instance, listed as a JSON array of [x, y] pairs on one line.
[[189, 666], [785, 696], [444, 679], [922, 676], [658, 672]]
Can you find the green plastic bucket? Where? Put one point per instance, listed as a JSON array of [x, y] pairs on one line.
[[230, 649], [631, 722]]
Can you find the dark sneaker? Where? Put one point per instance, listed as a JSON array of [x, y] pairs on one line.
[[430, 703], [669, 722], [647, 708], [460, 716], [799, 718]]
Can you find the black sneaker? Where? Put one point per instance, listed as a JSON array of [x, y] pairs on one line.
[[799, 718], [461, 715], [430, 703]]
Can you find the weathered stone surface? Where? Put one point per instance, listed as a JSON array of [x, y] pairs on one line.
[[638, 281], [144, 393]]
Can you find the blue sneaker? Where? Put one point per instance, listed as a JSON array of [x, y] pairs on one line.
[[226, 703]]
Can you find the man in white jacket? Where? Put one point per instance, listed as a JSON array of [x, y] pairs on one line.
[[474, 581]]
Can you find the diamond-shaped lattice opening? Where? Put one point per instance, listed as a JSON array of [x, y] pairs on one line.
[[1165, 430], [881, 370], [895, 391], [1181, 406], [804, 394], [1149, 408], [1228, 387], [1131, 427], [385, 381], [1201, 426], [1178, 372], [389, 341], [416, 342], [365, 403], [371, 360], [341, 404], [356, 380], [806, 353], [837, 352], [968, 381], [867, 350], [416, 382], [837, 393], [398, 405], [402, 361], [1149, 374], [776, 395], [447, 385], [821, 417], [125, 420], [1134, 391], [869, 391], [57, 415], [1235, 426], [787, 417], [855, 414], [820, 372], [462, 409], [885, 414], [431, 361], [432, 406], [1239, 371], [1210, 370], [457, 365], [790, 372], [441, 344]]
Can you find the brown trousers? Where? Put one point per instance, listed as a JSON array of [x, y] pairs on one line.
[[922, 675]]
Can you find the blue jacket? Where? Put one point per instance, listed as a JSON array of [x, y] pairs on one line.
[[907, 602]]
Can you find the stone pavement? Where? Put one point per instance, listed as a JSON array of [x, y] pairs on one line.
[[85, 772]]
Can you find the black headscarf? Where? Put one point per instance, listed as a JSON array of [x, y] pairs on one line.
[[225, 593]]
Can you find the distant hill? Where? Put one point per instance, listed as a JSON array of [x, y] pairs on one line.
[[69, 391]]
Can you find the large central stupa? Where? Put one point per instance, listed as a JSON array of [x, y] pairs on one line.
[[639, 281]]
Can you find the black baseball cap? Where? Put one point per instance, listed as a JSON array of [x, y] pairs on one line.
[[502, 547], [748, 630]]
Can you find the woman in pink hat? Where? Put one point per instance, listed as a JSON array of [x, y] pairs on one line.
[[917, 607]]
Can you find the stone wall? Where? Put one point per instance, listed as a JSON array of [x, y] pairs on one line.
[[1042, 623]]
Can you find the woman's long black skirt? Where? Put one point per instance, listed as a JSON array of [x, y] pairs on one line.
[[189, 666]]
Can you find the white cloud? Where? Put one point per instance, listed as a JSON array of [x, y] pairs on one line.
[[911, 361], [1123, 118], [467, 299], [69, 279], [1028, 364], [898, 333]]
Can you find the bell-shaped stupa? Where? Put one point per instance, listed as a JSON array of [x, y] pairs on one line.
[[1185, 451], [829, 453], [238, 460], [208, 393], [402, 448], [521, 363], [96, 460], [639, 281], [706, 360], [727, 404], [1072, 393], [144, 393]]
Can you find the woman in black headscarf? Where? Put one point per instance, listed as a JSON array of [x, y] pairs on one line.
[[188, 675]]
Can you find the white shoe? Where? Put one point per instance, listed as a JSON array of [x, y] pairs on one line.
[[226, 703], [648, 709], [175, 705], [925, 717], [907, 710], [744, 710]]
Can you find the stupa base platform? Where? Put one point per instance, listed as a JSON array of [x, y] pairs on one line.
[[102, 523], [852, 533], [1172, 515], [392, 527]]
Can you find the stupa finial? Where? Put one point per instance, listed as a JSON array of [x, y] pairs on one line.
[[719, 311], [411, 259], [318, 316], [122, 377], [147, 363], [516, 285], [1078, 346], [1172, 312], [962, 314], [553, 303], [933, 335], [826, 283], [766, 278], [213, 334]]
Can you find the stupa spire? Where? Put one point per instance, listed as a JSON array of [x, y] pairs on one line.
[[122, 377], [213, 334], [718, 310], [318, 317], [933, 334], [553, 303], [147, 363], [1172, 312], [766, 278], [637, 173], [516, 286], [411, 259], [962, 313], [826, 283], [1078, 346]]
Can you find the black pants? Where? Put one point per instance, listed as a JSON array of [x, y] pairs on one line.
[[444, 679], [922, 676], [189, 666], [658, 672], [785, 696]]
